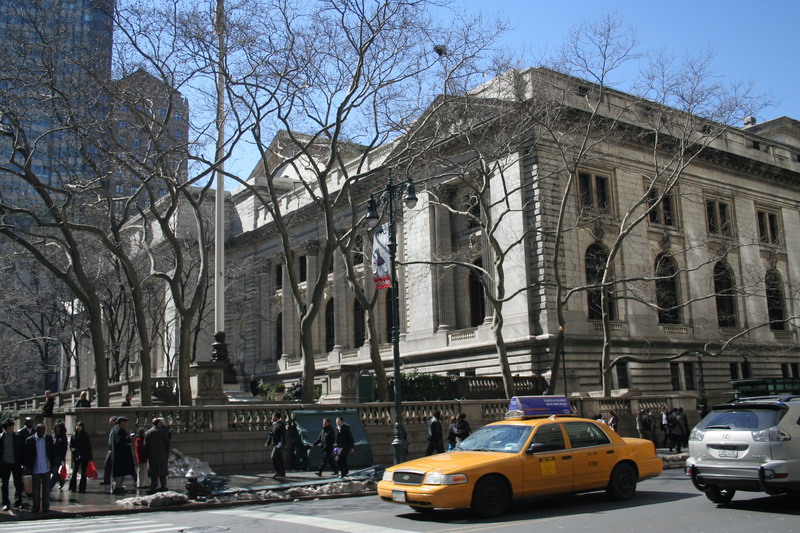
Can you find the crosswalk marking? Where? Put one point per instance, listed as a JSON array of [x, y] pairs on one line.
[[129, 524], [314, 521]]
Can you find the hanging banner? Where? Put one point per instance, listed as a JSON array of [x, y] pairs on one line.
[[381, 262]]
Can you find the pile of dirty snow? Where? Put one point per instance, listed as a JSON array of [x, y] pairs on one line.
[[159, 499]]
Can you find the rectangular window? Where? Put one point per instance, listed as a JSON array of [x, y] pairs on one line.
[[746, 369], [688, 375], [768, 227], [785, 370], [795, 369], [675, 375], [734, 370], [663, 212], [718, 219], [594, 191], [622, 376]]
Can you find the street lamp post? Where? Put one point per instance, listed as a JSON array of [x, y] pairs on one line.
[[387, 197], [703, 399]]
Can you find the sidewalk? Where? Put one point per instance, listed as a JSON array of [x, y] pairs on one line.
[[239, 488]]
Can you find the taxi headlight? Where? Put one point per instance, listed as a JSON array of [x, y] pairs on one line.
[[387, 476], [435, 478]]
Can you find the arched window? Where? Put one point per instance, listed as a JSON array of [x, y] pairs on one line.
[[302, 263], [595, 261], [725, 295], [330, 332], [359, 325], [477, 301], [279, 336], [775, 304], [279, 276], [667, 295]]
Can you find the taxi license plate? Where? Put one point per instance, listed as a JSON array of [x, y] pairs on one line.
[[399, 496], [729, 453]]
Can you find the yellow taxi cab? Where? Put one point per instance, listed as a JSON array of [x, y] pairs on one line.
[[540, 449]]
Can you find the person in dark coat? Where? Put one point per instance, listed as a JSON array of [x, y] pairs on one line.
[[253, 386], [60, 448], [81, 447], [451, 433], [344, 446], [112, 422], [277, 438], [83, 401], [327, 438], [677, 429], [39, 456], [47, 410], [435, 442], [121, 455], [156, 444], [26, 430], [462, 429], [11, 463]]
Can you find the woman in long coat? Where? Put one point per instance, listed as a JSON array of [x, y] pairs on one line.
[[121, 455], [81, 447]]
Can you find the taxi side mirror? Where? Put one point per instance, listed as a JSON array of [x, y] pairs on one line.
[[541, 447]]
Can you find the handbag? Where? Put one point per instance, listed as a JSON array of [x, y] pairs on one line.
[[91, 470], [62, 472]]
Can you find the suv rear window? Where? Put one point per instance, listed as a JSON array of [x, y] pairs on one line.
[[749, 419]]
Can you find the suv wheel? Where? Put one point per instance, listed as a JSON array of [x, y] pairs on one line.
[[718, 495]]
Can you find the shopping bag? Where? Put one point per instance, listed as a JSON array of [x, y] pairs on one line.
[[27, 484], [91, 471], [62, 472]]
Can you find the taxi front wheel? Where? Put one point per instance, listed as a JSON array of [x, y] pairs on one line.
[[490, 497], [622, 485]]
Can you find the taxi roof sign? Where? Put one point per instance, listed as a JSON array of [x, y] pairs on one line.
[[527, 406]]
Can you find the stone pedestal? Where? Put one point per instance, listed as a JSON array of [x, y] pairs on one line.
[[342, 384], [206, 378]]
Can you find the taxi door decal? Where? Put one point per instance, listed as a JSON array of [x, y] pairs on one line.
[[547, 465]]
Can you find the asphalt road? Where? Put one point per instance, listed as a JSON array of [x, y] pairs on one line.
[[667, 504]]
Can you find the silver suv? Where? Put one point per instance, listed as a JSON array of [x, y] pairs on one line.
[[750, 444]]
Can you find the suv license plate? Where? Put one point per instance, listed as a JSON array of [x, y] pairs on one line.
[[729, 453], [399, 496]]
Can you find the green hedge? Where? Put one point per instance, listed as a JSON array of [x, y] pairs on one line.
[[418, 387]]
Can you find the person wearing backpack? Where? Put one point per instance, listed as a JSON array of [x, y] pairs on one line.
[[644, 424]]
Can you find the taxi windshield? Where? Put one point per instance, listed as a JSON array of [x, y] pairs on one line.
[[499, 438]]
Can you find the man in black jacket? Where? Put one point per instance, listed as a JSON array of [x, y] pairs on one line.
[[11, 463], [39, 456], [435, 442], [277, 438], [344, 446], [327, 438]]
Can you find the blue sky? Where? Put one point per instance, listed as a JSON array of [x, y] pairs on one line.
[[752, 41]]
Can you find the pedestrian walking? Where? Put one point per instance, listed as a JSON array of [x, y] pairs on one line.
[[140, 454], [112, 422], [277, 439], [47, 410], [344, 446], [27, 429], [326, 439], [462, 428], [676, 430], [451, 433], [127, 401], [60, 445], [435, 442], [664, 424], [11, 463], [254, 386], [83, 400], [121, 456], [644, 424], [80, 446], [157, 442], [39, 457], [613, 421]]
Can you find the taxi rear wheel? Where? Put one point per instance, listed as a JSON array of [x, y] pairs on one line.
[[622, 485], [491, 497]]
